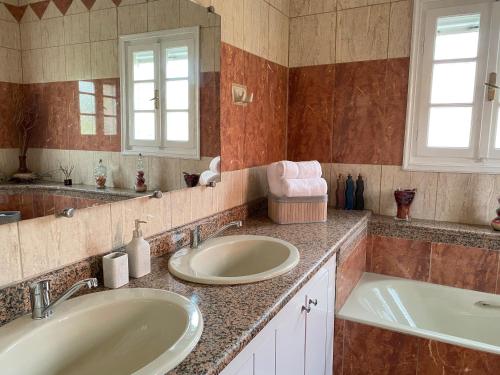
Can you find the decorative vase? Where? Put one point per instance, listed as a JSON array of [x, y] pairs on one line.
[[140, 181], [68, 182], [404, 199], [495, 223], [191, 179], [100, 174]]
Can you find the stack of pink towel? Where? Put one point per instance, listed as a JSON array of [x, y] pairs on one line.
[[296, 179]]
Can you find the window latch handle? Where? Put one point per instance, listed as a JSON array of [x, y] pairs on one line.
[[156, 99], [492, 86]]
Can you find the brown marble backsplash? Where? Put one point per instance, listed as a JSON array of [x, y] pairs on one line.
[[364, 349], [15, 297]]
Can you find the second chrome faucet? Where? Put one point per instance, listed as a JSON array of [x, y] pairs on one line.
[[196, 233]]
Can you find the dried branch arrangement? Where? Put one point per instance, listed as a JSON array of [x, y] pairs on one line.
[[25, 118], [66, 171]]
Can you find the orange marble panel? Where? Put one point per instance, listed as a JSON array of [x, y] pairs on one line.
[[209, 114], [8, 130], [349, 272], [399, 257], [278, 98], [310, 113], [464, 267]]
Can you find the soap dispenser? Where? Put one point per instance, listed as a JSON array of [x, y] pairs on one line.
[[139, 253]]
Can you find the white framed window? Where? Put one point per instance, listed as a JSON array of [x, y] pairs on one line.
[[452, 118], [159, 74]]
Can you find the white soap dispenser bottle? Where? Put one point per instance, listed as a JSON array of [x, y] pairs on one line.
[[139, 253]]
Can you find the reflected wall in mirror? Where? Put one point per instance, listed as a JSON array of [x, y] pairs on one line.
[[82, 106]]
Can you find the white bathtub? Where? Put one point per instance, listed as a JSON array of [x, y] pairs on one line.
[[437, 312]]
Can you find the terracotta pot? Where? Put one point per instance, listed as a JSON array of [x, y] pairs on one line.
[[23, 168]]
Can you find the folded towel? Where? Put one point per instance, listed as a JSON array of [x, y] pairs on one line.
[[215, 165], [274, 180], [208, 177], [305, 187], [302, 169]]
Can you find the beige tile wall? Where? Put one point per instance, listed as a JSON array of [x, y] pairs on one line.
[[339, 31], [38, 245], [456, 197], [10, 47]]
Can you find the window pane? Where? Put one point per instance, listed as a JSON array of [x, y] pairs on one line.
[[178, 94], [457, 37], [177, 62], [449, 127], [109, 125], [144, 67], [86, 86], [178, 126], [143, 93], [453, 83], [144, 126], [109, 106], [87, 125], [87, 103], [109, 89]]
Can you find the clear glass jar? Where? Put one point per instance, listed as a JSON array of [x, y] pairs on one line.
[[100, 175]]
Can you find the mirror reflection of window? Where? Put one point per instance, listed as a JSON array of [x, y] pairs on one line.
[[110, 112], [87, 104]]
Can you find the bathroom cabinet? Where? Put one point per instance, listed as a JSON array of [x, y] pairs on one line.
[[299, 339]]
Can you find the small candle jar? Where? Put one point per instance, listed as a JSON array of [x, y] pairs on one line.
[[100, 175]]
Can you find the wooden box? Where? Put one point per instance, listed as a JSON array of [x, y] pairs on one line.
[[283, 210]]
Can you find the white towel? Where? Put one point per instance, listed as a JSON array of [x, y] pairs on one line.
[[274, 180], [302, 169], [304, 187], [208, 177], [215, 165]]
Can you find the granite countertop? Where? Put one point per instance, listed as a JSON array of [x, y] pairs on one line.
[[77, 188], [233, 315]]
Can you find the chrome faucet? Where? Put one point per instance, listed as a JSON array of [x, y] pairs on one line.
[[196, 233], [41, 307]]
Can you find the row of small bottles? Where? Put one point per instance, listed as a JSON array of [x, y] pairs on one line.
[[349, 194]]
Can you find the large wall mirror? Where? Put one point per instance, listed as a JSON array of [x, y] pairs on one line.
[[112, 110]]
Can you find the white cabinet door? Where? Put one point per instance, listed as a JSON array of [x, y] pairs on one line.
[[246, 368], [290, 338], [264, 356], [316, 326]]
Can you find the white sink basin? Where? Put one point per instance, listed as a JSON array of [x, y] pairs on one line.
[[129, 331], [234, 260]]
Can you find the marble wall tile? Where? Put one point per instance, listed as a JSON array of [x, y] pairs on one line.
[[372, 177], [103, 24], [78, 61], [230, 190], [52, 30], [6, 15], [10, 263], [76, 7], [232, 14], [399, 257], [282, 5], [308, 7], [97, 219], [256, 27], [203, 203], [424, 204], [254, 183], [372, 350], [347, 4], [277, 80], [53, 11], [102, 4], [464, 267], [310, 113], [349, 272], [54, 64], [132, 19], [29, 15], [84, 166], [181, 207], [104, 59], [10, 36], [278, 37], [31, 36], [362, 33], [464, 198], [312, 40], [11, 60], [77, 28], [192, 14], [400, 29], [164, 173], [163, 14]]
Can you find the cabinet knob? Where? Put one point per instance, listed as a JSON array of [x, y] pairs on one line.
[[313, 302], [306, 309]]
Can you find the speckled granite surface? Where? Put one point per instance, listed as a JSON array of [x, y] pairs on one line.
[[436, 231], [111, 194], [233, 315]]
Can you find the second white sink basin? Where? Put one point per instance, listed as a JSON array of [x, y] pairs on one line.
[[235, 260], [126, 331]]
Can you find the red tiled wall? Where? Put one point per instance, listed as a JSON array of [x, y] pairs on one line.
[[348, 113], [8, 131], [364, 349], [255, 134], [438, 263]]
